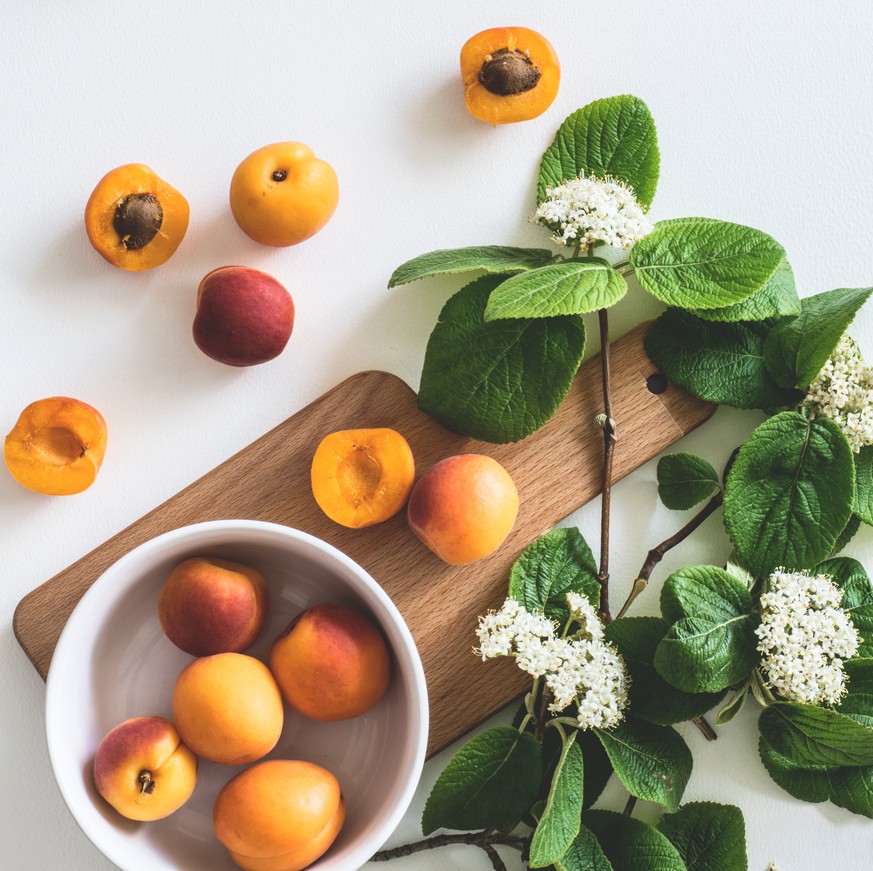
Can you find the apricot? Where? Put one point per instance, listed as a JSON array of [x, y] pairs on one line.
[[331, 663], [282, 194], [228, 708], [244, 316], [143, 769], [210, 605], [134, 219], [279, 815], [463, 507], [362, 476], [510, 74], [57, 446]]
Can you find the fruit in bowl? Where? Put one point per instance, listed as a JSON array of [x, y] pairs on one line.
[[144, 770]]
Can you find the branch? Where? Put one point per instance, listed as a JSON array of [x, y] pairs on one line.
[[609, 439], [656, 554], [496, 861], [485, 840]]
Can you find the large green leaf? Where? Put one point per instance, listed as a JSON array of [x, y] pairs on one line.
[[559, 824], [722, 363], [708, 836], [651, 698], [711, 642], [632, 845], [797, 348], [490, 783], [497, 381], [789, 493], [598, 768], [555, 564], [495, 259], [857, 589], [652, 762], [810, 736], [614, 137], [864, 484], [701, 263], [571, 287], [684, 480], [777, 298], [584, 854]]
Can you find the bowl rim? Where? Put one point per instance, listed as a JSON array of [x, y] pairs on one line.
[[64, 649]]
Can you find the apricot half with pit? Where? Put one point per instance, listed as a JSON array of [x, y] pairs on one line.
[[362, 476], [134, 219], [57, 446]]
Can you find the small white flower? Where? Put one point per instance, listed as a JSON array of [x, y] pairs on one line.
[[843, 392], [805, 637], [586, 210], [582, 668]]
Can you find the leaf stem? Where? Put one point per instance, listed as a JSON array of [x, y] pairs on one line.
[[483, 840], [704, 725], [656, 554], [629, 807], [609, 439]]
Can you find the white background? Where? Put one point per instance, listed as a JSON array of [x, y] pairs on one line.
[[764, 117]]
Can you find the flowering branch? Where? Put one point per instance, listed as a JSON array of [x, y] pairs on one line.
[[484, 840]]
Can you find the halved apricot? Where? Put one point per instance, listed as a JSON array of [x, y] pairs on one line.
[[57, 446], [362, 476], [510, 74], [134, 219]]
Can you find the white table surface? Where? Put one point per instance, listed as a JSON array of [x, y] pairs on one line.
[[765, 117]]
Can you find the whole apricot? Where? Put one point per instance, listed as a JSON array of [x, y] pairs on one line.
[[244, 316], [279, 815], [282, 194], [509, 73], [57, 446], [331, 663], [463, 507], [134, 219], [143, 769], [210, 605], [228, 708], [362, 476]]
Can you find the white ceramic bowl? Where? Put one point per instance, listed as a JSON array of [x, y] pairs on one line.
[[113, 662]]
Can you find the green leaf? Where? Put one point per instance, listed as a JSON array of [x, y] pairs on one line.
[[722, 363], [571, 287], [701, 263], [812, 736], [489, 783], [684, 480], [494, 259], [789, 494], [561, 818], [584, 854], [850, 530], [652, 762], [797, 348], [734, 706], [497, 381], [598, 768], [631, 845], [708, 836], [612, 137], [851, 577], [777, 298], [651, 698], [557, 563], [864, 484], [711, 643]]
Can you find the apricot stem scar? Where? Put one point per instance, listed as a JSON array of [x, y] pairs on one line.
[[148, 785], [279, 175]]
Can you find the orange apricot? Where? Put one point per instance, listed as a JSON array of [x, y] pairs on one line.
[[510, 74], [282, 194], [134, 219], [362, 476], [279, 815], [57, 446]]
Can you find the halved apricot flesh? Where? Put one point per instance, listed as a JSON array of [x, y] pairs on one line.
[[134, 219], [362, 476], [510, 74], [57, 446]]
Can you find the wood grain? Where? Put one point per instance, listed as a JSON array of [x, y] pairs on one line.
[[557, 469]]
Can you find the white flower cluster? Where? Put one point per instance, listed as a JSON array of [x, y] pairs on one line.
[[583, 211], [804, 637], [843, 391], [583, 668]]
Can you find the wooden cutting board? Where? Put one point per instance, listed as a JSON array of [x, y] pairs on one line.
[[557, 469]]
